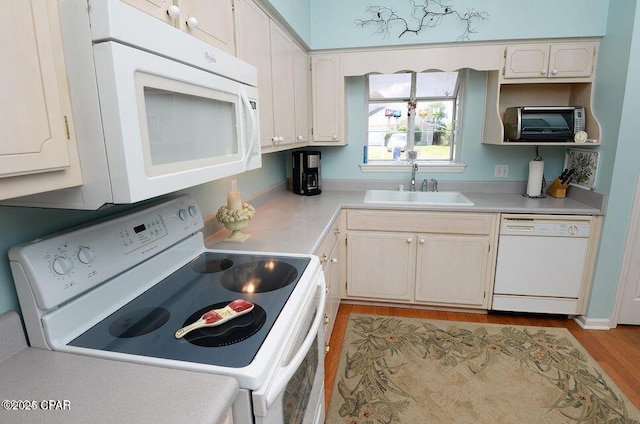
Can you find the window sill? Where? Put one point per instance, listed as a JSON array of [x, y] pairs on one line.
[[403, 166]]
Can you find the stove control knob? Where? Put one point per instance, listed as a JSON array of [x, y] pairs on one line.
[[182, 214], [192, 210], [61, 265], [86, 254]]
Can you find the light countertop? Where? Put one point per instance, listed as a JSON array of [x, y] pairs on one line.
[[290, 223], [57, 387]]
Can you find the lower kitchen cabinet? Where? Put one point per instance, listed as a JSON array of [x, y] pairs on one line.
[[453, 269], [380, 265], [332, 255], [425, 258]]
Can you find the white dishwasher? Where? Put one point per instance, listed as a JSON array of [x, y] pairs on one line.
[[541, 264]]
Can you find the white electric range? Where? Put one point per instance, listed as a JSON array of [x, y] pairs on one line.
[[120, 288]]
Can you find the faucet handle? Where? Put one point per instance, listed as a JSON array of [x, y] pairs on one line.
[[412, 154], [435, 184]]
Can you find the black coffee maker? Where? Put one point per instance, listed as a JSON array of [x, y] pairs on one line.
[[306, 172]]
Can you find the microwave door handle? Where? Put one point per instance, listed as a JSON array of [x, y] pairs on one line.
[[251, 133], [284, 374]]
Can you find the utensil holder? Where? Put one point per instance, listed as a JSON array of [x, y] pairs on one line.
[[557, 189]]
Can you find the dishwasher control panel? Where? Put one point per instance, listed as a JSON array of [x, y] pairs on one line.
[[545, 227]]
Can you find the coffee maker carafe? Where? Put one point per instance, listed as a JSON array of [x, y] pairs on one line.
[[306, 172]]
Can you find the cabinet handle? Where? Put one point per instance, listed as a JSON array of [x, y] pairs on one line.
[[326, 349], [324, 258], [336, 231], [409, 240], [554, 72], [192, 22], [326, 319], [173, 11]]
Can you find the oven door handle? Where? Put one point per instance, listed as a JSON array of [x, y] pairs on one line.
[[283, 376]]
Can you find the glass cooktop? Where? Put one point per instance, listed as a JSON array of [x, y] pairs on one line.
[[147, 325]]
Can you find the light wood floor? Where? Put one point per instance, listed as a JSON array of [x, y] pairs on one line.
[[617, 350]]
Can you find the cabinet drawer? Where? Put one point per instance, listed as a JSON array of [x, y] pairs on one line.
[[421, 222]]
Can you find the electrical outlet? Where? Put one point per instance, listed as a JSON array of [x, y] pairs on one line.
[[501, 171]]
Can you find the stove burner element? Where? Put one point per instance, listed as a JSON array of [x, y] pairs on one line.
[[230, 332], [209, 264], [139, 322], [259, 277]]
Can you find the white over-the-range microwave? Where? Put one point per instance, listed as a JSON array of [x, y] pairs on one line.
[[155, 109]]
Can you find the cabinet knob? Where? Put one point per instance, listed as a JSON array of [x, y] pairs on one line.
[[192, 22], [543, 72], [173, 11], [324, 258], [409, 240], [554, 72], [423, 241], [334, 137], [334, 260], [300, 138], [336, 231], [326, 349]]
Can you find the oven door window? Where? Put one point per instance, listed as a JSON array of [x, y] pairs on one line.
[[300, 388], [185, 126]]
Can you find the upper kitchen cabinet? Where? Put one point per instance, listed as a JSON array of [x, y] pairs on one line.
[[38, 152], [327, 96], [208, 20], [535, 61], [546, 74], [282, 78]]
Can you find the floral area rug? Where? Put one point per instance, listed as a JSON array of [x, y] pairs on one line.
[[405, 370]]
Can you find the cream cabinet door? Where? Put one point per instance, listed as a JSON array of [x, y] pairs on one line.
[[453, 269], [571, 60], [254, 47], [327, 93], [38, 143], [302, 76], [381, 265], [562, 60], [284, 114], [208, 20], [527, 61]]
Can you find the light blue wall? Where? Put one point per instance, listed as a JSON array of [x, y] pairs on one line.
[[296, 13], [618, 103], [18, 225], [333, 22], [342, 162]]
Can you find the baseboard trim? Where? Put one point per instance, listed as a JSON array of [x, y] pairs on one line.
[[593, 323]]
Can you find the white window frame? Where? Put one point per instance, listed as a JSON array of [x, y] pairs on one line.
[[454, 165]]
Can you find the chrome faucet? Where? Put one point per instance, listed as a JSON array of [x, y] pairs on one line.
[[424, 185], [434, 182], [414, 168]]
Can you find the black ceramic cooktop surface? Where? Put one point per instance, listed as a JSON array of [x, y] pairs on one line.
[[147, 325]]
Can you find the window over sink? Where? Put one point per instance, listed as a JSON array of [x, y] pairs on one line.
[[412, 111]]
